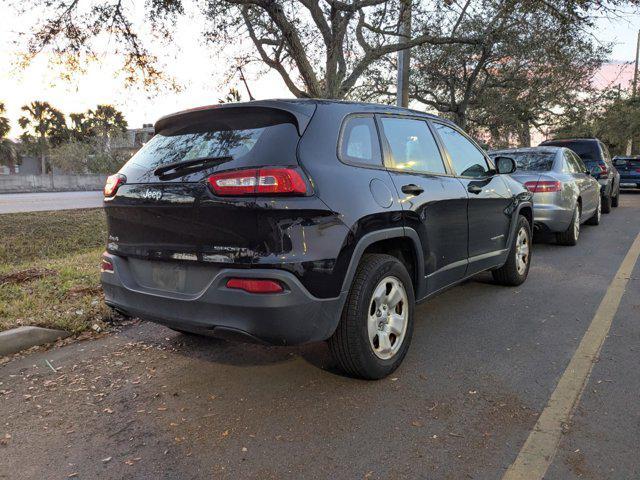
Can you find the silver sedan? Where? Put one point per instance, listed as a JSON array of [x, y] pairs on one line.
[[565, 195]]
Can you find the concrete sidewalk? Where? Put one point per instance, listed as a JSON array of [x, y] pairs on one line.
[[34, 202]]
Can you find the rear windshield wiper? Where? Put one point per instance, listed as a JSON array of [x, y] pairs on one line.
[[178, 169]]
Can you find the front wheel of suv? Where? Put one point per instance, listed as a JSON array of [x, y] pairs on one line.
[[615, 201], [516, 268], [376, 325], [606, 204]]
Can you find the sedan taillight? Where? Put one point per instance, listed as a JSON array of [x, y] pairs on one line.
[[543, 186], [259, 181]]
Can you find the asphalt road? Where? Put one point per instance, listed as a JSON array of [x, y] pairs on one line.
[[34, 202], [150, 403]]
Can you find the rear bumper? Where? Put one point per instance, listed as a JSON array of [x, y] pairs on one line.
[[630, 182], [290, 318], [552, 217]]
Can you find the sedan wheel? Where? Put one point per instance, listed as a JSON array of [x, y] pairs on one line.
[[570, 236], [595, 218]]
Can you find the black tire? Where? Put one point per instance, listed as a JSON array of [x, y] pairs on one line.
[[350, 344], [615, 201], [509, 274], [606, 204], [570, 235], [595, 218]]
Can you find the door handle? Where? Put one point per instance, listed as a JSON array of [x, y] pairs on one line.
[[474, 189], [412, 189]]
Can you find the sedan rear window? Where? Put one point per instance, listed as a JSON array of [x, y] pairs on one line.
[[531, 161]]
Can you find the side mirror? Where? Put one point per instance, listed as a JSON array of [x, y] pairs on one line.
[[505, 165]]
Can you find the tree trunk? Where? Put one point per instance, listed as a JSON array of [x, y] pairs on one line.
[[461, 118], [43, 158], [524, 135]]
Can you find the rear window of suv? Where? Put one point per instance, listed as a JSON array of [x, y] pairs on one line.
[[627, 162], [244, 140], [588, 151]]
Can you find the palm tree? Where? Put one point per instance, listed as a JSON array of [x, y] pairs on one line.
[[43, 125], [8, 151]]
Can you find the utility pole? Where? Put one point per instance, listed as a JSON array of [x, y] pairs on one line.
[[402, 95], [634, 89]]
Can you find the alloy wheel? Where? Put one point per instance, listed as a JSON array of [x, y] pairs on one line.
[[388, 317], [576, 223], [522, 251]]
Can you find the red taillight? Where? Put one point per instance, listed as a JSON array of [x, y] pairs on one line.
[[603, 169], [113, 182], [106, 265], [543, 186], [263, 181], [255, 286]]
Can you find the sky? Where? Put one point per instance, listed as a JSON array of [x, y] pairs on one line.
[[200, 69]]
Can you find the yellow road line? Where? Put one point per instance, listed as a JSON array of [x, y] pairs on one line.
[[538, 451]]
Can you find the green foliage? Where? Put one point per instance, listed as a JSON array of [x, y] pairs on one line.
[[612, 116], [91, 144], [43, 127], [8, 150], [4, 122]]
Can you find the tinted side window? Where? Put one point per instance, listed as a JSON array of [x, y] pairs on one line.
[[605, 153], [467, 159], [412, 145], [359, 141]]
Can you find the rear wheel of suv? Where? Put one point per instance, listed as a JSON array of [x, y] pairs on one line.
[[516, 269], [615, 201], [376, 325], [606, 204], [571, 234]]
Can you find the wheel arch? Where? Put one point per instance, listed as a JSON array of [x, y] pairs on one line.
[[400, 242]]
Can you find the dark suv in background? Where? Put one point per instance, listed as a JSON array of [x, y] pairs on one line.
[[286, 222], [596, 157], [629, 168]]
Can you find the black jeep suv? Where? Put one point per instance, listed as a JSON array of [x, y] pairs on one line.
[[294, 221]]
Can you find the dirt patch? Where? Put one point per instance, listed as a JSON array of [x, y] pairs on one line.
[[23, 276], [79, 291], [577, 464]]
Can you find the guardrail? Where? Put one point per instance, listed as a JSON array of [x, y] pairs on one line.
[[50, 183]]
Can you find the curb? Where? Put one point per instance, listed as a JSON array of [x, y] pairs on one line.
[[21, 338]]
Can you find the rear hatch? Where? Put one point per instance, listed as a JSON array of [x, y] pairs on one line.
[[172, 213], [628, 168]]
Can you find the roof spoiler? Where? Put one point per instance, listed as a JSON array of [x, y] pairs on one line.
[[302, 112]]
